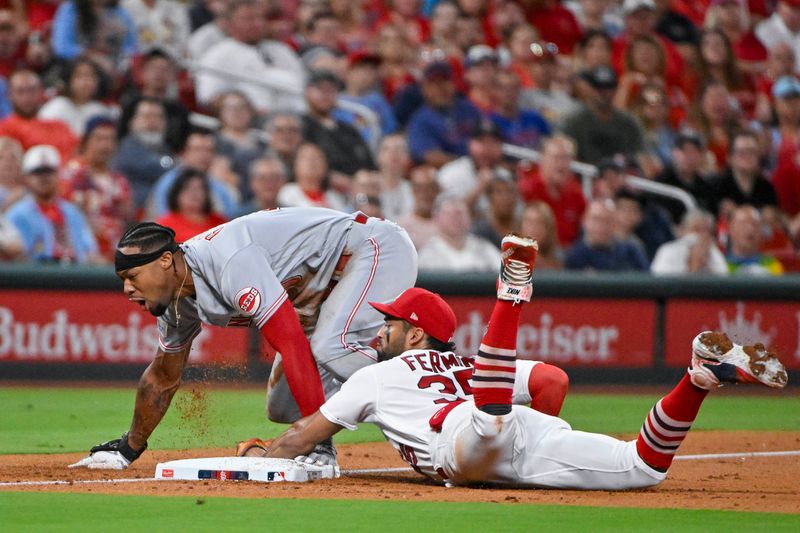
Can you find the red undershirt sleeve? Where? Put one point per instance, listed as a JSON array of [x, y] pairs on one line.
[[284, 333]]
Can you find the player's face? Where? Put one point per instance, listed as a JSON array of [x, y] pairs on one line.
[[392, 339], [151, 285]]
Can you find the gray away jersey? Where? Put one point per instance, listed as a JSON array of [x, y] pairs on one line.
[[245, 269]]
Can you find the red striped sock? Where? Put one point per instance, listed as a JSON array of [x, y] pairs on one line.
[[496, 363], [668, 423]]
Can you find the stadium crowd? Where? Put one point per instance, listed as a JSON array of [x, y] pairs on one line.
[[193, 113]]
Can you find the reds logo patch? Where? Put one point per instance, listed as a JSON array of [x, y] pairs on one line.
[[248, 300]]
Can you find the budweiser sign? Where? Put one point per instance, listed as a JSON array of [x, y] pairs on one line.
[[567, 331], [96, 327]]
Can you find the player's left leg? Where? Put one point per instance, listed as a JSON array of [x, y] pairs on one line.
[[480, 438]]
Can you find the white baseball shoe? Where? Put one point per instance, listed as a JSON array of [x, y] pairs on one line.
[[717, 360], [518, 256]]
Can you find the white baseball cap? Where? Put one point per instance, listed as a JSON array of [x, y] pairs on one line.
[[631, 6], [41, 156]]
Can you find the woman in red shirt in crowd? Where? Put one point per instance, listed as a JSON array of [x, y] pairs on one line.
[[189, 203]]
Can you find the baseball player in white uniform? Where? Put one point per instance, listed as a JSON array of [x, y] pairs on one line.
[[456, 419], [302, 276]]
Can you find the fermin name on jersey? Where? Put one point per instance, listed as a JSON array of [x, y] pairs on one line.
[[432, 361]]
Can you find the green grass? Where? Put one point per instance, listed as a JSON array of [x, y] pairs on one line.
[[54, 420], [85, 512]]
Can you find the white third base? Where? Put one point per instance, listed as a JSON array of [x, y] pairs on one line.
[[244, 469]]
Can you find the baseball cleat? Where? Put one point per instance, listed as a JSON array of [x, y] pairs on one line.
[[518, 255], [242, 448], [717, 360]]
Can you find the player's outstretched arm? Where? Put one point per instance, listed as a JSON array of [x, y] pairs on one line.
[[301, 438], [157, 386]]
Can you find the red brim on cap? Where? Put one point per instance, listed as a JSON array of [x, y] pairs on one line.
[[384, 309]]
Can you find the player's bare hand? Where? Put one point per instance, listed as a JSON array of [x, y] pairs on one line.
[[112, 455]]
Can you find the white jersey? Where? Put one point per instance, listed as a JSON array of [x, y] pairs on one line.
[[245, 269], [401, 395]]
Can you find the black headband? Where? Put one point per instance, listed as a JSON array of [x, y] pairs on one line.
[[124, 262]]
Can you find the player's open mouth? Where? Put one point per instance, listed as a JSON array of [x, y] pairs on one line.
[[139, 301]]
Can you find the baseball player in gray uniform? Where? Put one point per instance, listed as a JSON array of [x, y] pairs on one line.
[[455, 419], [302, 276]]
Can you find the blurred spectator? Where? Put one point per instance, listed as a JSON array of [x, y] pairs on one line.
[[786, 145], [522, 57], [343, 146], [453, 248], [212, 31], [200, 154], [406, 14], [247, 55], [521, 127], [444, 28], [539, 223], [718, 63], [732, 18], [81, 98], [782, 27], [285, 135], [780, 63], [481, 69], [323, 58], [470, 30], [362, 86], [598, 128], [676, 27], [52, 229], [500, 20], [598, 249], [397, 61], [643, 218], [628, 218], [190, 212], [746, 236], [555, 184], [11, 247], [321, 29], [394, 161], [438, 131], [594, 50], [597, 15], [309, 187], [641, 19], [11, 186], [159, 81], [143, 154], [12, 44], [652, 109], [419, 223], [237, 141], [714, 115], [365, 193], [202, 12], [686, 172], [27, 95], [103, 195], [160, 23], [267, 176], [468, 177], [99, 29], [555, 22], [695, 250], [502, 213], [354, 31], [546, 97], [742, 182]]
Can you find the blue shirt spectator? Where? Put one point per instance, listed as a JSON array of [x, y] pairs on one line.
[[222, 200], [113, 34], [378, 105], [527, 129]]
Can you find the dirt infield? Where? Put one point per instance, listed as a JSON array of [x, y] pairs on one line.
[[742, 484]]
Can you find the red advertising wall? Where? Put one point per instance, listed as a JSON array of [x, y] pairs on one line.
[[570, 332], [776, 324], [96, 327]]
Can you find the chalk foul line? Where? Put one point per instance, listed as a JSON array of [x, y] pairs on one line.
[[364, 471]]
